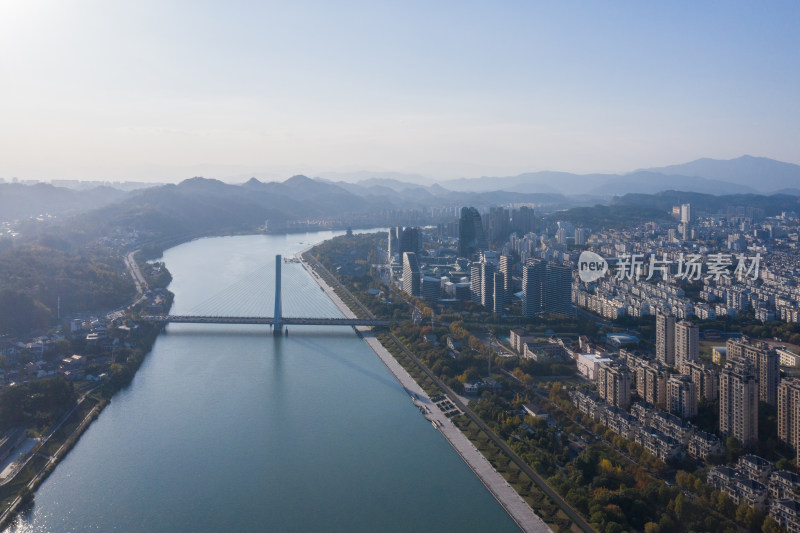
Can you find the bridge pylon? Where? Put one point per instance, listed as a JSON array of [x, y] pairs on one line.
[[277, 326]]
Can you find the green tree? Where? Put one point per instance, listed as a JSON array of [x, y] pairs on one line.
[[555, 391], [469, 375], [733, 450], [666, 524], [725, 505], [743, 513], [651, 527], [19, 312], [771, 526], [63, 347]]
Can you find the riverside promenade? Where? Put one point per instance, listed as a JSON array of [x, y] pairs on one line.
[[504, 493]]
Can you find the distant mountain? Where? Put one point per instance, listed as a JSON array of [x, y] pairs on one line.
[[737, 176], [387, 186], [199, 206], [393, 184], [760, 173], [530, 182], [23, 201], [406, 195], [305, 197], [205, 206], [376, 177], [653, 182], [601, 185]]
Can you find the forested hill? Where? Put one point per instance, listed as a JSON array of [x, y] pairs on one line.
[[34, 277], [200, 206], [22, 201], [772, 205]]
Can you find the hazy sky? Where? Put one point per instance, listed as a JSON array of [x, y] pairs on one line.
[[163, 90]]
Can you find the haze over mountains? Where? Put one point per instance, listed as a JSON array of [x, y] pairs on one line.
[[21, 201], [763, 174], [208, 202], [742, 175]]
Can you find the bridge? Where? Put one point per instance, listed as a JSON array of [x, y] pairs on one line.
[[277, 321], [267, 320]]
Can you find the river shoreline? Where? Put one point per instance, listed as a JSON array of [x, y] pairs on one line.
[[509, 499]]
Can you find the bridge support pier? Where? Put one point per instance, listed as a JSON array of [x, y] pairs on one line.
[[277, 327]]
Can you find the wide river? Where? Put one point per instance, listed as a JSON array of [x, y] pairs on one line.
[[225, 428]]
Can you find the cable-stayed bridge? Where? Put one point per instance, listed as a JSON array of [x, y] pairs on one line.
[[251, 300]]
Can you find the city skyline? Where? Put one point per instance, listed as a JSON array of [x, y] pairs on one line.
[[158, 92]]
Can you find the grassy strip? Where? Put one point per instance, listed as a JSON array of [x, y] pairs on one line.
[[72, 423], [525, 487], [349, 300], [410, 366]]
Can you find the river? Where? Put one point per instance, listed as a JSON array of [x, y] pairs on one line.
[[225, 428]]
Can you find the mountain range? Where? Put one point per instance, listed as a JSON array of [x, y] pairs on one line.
[[746, 174], [200, 205], [22, 201]]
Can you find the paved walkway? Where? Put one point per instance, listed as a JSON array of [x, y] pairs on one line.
[[517, 508]]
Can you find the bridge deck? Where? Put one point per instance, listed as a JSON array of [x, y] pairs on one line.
[[265, 320]]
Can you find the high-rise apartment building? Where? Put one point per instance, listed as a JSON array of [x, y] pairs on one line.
[[412, 276], [409, 240], [789, 413], [614, 384], [523, 220], [706, 380], [506, 264], [431, 288], [580, 236], [558, 290], [533, 277], [681, 396], [475, 282], [766, 361], [487, 284], [686, 213], [651, 384], [738, 401], [470, 232], [393, 243], [665, 339], [687, 343], [498, 293], [498, 224]]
